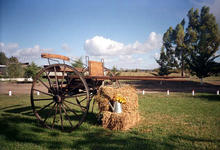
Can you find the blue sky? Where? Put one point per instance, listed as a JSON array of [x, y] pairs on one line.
[[125, 33]]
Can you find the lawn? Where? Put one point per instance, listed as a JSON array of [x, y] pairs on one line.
[[177, 121]]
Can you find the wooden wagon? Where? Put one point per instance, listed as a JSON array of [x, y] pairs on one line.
[[61, 94]]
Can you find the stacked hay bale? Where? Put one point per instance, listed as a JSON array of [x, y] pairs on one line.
[[118, 121]]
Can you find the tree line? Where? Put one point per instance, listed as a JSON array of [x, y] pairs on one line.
[[191, 47], [14, 68]]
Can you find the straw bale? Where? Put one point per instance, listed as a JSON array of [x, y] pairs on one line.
[[129, 116], [106, 94], [122, 121]]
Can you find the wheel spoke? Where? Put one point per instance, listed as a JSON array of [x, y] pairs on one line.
[[67, 115], [49, 114], [43, 99], [93, 105], [45, 85], [61, 118], [54, 118], [46, 106], [82, 107], [71, 110], [77, 95], [55, 71], [67, 86], [83, 100], [49, 80], [63, 77], [43, 92]]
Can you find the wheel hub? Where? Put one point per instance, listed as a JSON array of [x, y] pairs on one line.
[[57, 99]]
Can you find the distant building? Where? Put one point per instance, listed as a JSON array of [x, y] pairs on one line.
[[4, 67]]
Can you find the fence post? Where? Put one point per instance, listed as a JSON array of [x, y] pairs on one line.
[[193, 92], [9, 92], [168, 92]]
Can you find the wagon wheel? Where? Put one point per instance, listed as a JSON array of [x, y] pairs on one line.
[[60, 97]]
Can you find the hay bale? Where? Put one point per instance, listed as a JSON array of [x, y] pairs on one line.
[[122, 121], [130, 115], [106, 94]]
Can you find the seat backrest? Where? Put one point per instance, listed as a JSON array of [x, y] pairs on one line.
[[96, 68]]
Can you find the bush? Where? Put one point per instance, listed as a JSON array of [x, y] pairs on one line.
[[31, 70]]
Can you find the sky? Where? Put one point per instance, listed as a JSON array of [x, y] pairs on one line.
[[126, 33]]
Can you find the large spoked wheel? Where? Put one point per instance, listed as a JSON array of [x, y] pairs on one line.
[[60, 97]]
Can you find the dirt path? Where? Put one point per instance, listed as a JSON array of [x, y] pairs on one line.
[[148, 86], [174, 86], [16, 88]]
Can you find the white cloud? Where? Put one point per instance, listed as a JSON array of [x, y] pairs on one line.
[[23, 54], [10, 47], [65, 46], [34, 51], [156, 55], [100, 46], [118, 54]]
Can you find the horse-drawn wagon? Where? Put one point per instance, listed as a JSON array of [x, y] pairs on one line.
[[61, 94]]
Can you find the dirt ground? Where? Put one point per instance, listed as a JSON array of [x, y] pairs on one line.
[[175, 86], [149, 86]]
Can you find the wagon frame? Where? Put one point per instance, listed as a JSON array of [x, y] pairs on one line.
[[61, 94]]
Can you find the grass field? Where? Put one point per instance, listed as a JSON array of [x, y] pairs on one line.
[[178, 121]]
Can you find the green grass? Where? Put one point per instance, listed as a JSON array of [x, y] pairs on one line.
[[178, 121]]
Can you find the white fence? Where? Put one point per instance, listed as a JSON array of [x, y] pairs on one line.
[[17, 79]]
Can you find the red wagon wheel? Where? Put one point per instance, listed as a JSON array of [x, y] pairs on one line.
[[60, 97]]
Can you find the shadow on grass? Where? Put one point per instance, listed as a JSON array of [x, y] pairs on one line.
[[27, 111], [4, 108], [209, 97], [193, 139], [21, 129]]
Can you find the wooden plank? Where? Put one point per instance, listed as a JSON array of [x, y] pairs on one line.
[[62, 68], [46, 55]]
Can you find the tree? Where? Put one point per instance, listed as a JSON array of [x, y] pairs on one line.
[[14, 68], [13, 60], [165, 68], [181, 50], [203, 40], [3, 59], [168, 45], [78, 63], [31, 70]]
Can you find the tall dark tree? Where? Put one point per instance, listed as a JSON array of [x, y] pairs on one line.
[[181, 50], [3, 59], [165, 68], [168, 46], [203, 40]]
